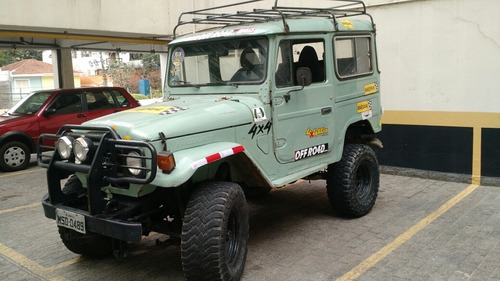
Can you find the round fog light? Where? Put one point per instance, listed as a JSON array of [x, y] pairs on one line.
[[134, 160], [65, 147], [81, 149]]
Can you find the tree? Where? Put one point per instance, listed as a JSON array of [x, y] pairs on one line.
[[11, 56]]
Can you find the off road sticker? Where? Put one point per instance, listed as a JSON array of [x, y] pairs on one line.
[[312, 133], [371, 88], [164, 110], [347, 24], [364, 106], [223, 33], [311, 151], [151, 109]]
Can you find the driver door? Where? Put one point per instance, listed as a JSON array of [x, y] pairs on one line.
[[303, 125]]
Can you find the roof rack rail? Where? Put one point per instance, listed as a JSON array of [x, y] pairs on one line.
[[343, 9]]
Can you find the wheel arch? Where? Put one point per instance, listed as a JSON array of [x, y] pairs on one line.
[[362, 132], [20, 137], [217, 161]]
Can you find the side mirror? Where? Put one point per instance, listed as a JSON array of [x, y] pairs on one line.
[[49, 111], [304, 78]]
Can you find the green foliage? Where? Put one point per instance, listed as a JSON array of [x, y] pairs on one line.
[[139, 97], [11, 56], [126, 76]]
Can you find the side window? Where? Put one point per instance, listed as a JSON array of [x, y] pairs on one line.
[[293, 54], [97, 100], [67, 103], [120, 98], [353, 56]]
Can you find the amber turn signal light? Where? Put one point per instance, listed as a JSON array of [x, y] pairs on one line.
[[166, 161]]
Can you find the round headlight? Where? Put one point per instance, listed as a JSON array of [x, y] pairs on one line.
[[81, 149], [134, 160], [65, 147]]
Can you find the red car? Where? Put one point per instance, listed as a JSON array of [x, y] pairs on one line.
[[46, 111]]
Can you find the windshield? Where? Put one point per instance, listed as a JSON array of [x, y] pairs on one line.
[[30, 104], [229, 62]]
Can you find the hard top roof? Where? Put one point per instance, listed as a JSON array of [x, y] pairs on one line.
[[279, 19]]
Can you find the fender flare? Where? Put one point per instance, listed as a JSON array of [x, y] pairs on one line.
[[19, 136], [188, 161]]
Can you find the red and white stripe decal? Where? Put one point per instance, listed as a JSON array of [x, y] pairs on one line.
[[217, 156]]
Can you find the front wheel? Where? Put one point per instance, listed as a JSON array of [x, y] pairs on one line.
[[14, 156], [353, 182], [215, 233]]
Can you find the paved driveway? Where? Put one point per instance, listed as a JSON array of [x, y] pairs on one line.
[[419, 229]]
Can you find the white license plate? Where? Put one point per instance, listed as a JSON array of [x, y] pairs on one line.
[[70, 220]]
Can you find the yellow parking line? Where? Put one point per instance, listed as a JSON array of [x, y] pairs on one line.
[[22, 260], [401, 239], [36, 204], [31, 266], [64, 264], [20, 173]]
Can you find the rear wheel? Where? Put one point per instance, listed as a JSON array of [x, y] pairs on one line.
[[89, 244], [14, 156], [215, 233], [353, 182]]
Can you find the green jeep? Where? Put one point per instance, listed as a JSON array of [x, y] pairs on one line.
[[263, 99]]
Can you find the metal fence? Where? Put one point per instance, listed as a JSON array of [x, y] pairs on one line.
[[9, 99]]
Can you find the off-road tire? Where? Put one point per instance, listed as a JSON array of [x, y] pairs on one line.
[[353, 182], [89, 244], [215, 232], [14, 156]]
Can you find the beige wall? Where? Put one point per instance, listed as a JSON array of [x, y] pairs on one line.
[[435, 55]]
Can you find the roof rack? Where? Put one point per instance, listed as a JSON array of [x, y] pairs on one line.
[[344, 8]]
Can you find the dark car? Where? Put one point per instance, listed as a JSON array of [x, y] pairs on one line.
[[46, 111]]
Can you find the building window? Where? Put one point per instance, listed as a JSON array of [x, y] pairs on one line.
[[21, 86]]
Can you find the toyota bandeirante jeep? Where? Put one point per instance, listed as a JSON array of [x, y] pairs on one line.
[[261, 99]]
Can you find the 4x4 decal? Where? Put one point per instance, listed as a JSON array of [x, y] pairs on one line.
[[262, 128]]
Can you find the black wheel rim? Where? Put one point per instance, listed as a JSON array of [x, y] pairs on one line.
[[363, 180], [232, 241]]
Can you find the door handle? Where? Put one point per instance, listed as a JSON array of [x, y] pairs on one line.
[[326, 110], [81, 115]]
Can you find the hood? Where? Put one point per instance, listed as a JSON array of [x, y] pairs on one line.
[[19, 119], [176, 118]]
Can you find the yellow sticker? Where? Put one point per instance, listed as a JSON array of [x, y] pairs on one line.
[[363, 106], [371, 88], [316, 132], [347, 24], [151, 109]]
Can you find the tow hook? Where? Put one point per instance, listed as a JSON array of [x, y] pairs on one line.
[[120, 248]]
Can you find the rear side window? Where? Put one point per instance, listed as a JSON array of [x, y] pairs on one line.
[[98, 100], [120, 98], [353, 56]]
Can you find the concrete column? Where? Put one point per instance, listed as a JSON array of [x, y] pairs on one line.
[[62, 64]]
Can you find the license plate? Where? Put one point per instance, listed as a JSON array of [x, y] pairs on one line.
[[71, 220]]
